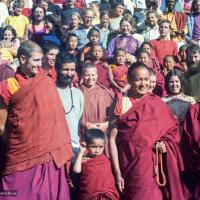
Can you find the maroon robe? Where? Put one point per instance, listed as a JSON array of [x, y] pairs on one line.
[[160, 81], [147, 122], [191, 146], [97, 103], [97, 181], [6, 72], [102, 72], [37, 131]]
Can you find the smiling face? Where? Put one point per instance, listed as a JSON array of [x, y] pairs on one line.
[[74, 21], [144, 58], [152, 20], [7, 35], [50, 58], [140, 83], [174, 85], [89, 77], [126, 28], [32, 64]]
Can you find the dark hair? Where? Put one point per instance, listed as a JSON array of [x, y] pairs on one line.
[[62, 58], [179, 74], [118, 3], [9, 28], [168, 56], [33, 10], [49, 46], [93, 134], [192, 49], [94, 29], [140, 51], [194, 3], [146, 43], [183, 47], [104, 12], [134, 66], [116, 51], [55, 20]]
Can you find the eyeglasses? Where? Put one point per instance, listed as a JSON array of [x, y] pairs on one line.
[[88, 17]]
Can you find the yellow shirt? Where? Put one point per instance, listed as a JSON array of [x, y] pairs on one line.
[[19, 23], [172, 19]]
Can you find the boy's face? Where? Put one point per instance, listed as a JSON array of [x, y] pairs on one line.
[[96, 148], [17, 10], [97, 52], [169, 63], [194, 57], [89, 77], [152, 79], [120, 58], [94, 37], [144, 58], [73, 42]]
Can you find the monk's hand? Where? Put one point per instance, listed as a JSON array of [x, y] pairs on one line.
[[120, 183], [162, 147]]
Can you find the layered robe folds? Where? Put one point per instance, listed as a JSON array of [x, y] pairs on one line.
[[191, 147], [37, 131], [145, 123], [97, 181], [97, 103]]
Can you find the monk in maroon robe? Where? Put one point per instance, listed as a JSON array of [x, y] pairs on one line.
[[191, 147], [34, 130], [144, 143], [98, 99]]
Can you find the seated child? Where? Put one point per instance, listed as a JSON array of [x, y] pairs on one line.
[[96, 178], [71, 44], [117, 72]]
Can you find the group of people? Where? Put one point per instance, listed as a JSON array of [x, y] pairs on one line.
[[118, 117]]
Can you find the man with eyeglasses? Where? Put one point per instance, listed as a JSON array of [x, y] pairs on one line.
[[83, 29]]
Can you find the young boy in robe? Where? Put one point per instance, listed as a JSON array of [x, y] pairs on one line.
[[98, 58], [168, 64], [117, 72], [96, 178]]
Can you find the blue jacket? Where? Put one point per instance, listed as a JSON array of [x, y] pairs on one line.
[[190, 26]]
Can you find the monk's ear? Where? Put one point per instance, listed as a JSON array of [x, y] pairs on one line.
[[22, 59]]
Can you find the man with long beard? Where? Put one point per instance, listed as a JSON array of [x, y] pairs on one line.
[[71, 97]]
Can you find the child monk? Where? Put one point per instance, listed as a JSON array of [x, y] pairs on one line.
[[96, 178]]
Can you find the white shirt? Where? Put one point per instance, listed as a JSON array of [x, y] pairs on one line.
[[151, 33]]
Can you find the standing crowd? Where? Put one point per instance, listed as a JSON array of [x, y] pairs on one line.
[[99, 100]]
